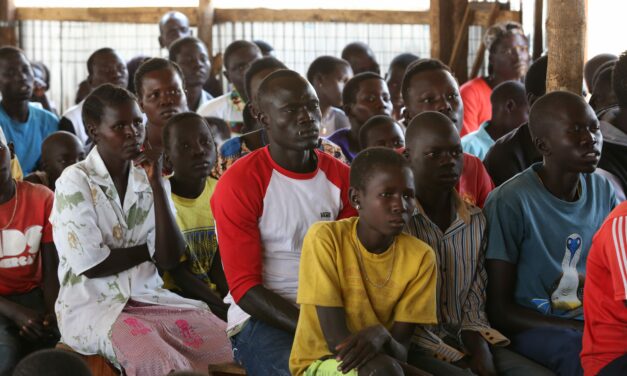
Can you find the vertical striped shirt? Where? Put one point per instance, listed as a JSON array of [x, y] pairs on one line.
[[462, 281]]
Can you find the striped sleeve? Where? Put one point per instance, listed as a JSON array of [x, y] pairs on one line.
[[616, 256]]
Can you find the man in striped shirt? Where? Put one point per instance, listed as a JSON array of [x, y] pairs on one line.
[[455, 230]]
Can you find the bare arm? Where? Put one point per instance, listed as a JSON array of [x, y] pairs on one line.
[[501, 286], [119, 260], [169, 242], [50, 285], [270, 308], [216, 273], [197, 289]]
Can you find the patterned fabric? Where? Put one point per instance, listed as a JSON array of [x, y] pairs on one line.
[[228, 107], [88, 221], [181, 339], [462, 280]]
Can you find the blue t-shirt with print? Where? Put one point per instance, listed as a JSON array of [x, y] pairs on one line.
[[547, 238], [27, 137]]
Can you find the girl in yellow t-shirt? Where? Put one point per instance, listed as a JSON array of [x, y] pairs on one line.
[[363, 284]]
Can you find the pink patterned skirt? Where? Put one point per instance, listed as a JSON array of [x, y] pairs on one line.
[[155, 340]]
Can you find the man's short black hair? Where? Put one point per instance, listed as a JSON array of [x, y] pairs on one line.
[[619, 79], [349, 94], [52, 362], [419, 66], [258, 66], [369, 161], [7, 51], [105, 95], [151, 65], [166, 133], [236, 46], [324, 65], [535, 79], [264, 46], [264, 87], [175, 47], [370, 124], [403, 60], [92, 57]]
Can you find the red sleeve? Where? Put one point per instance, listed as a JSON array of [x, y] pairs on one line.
[[237, 205], [475, 182], [615, 255], [474, 96], [339, 174]]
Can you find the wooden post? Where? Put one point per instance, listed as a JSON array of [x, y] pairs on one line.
[[538, 35], [8, 26], [205, 24], [445, 23], [566, 31]]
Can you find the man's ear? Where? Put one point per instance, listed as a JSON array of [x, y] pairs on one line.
[[162, 42], [354, 196], [91, 131], [542, 145], [406, 116], [510, 105]]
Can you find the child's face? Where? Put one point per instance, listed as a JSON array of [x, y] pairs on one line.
[[239, 62], [388, 200], [434, 90], [162, 96], [108, 68], [67, 151], [332, 85], [373, 98], [121, 132], [194, 62], [394, 81], [388, 134], [191, 149], [16, 77]]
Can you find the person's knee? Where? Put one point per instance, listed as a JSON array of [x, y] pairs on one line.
[[381, 365]]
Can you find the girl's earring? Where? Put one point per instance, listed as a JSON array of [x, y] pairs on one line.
[[358, 207]]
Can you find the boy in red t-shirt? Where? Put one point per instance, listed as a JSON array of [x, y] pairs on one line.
[[605, 299], [28, 266]]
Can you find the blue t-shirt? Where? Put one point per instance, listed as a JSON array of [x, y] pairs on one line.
[[28, 137], [547, 238], [478, 142]]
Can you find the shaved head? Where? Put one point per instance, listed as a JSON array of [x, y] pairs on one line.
[[280, 80], [426, 123], [507, 90], [553, 108], [58, 140], [592, 65], [361, 58]]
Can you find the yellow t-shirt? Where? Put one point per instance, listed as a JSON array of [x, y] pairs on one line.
[[195, 220], [331, 276]]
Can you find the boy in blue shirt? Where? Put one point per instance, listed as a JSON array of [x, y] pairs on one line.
[[540, 225], [23, 124]]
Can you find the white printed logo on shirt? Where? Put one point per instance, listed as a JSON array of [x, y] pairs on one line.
[[18, 249]]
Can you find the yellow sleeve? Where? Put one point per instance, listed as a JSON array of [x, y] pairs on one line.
[[418, 304], [318, 279]]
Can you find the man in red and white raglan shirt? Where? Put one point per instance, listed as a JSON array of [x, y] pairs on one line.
[[605, 299], [28, 267], [263, 206]]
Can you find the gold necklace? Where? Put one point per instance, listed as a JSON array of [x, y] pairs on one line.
[[362, 265], [14, 208]]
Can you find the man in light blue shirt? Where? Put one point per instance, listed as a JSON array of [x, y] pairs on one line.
[[23, 123], [510, 110]]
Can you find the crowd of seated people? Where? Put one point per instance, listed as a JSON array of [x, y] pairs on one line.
[[333, 223]]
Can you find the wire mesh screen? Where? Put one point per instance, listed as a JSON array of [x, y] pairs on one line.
[[64, 46], [475, 35]]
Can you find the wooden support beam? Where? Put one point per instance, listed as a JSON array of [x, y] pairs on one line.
[[205, 24], [538, 35], [566, 31], [321, 15], [8, 30], [461, 43]]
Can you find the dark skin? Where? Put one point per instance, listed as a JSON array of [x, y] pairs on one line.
[[434, 90], [362, 59], [16, 85], [161, 96], [394, 80], [33, 326], [373, 98], [289, 109], [436, 158], [239, 61], [119, 138], [194, 62], [386, 134], [108, 68], [509, 59], [58, 151], [329, 87], [567, 134], [510, 109], [192, 154], [173, 25], [385, 205]]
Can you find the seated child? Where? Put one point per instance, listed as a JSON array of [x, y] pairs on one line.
[[510, 110], [540, 227], [24, 124], [113, 226], [191, 55], [58, 151], [364, 285], [429, 85], [52, 362], [364, 96], [28, 260], [605, 299], [191, 151], [455, 230], [381, 130], [394, 79], [328, 75]]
